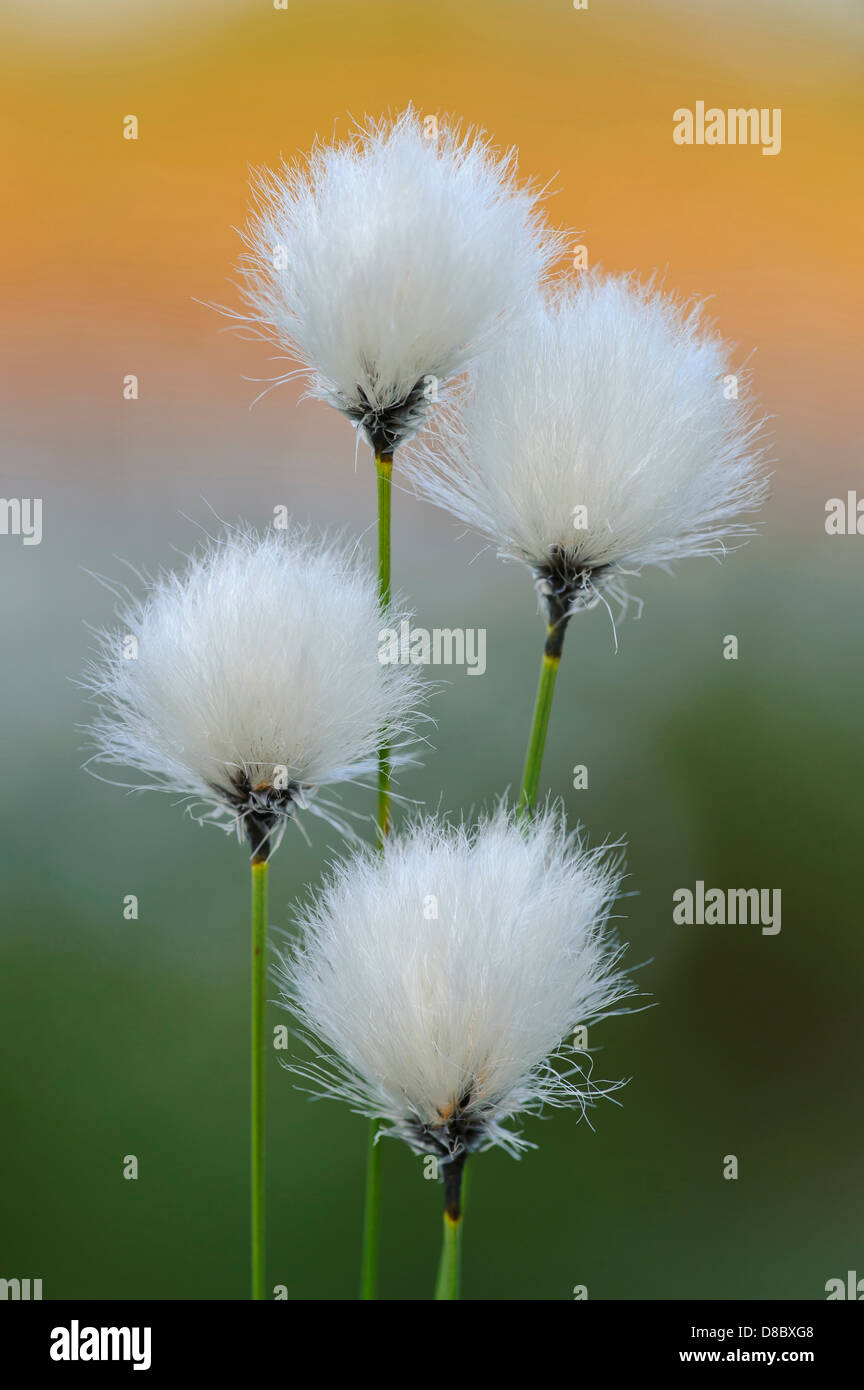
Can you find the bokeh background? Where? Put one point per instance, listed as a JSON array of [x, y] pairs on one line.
[[126, 1037]]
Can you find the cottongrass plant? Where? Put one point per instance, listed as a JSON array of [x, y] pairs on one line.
[[383, 263], [604, 433], [243, 686], [448, 1025]]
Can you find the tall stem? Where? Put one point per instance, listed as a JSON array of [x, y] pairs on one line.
[[372, 1204], [259, 1057], [542, 710], [384, 475], [449, 1282], [371, 1217]]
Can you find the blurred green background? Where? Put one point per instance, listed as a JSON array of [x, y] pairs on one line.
[[130, 1037]]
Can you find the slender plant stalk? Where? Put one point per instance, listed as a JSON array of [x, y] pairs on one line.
[[371, 1217], [259, 1057], [449, 1282], [384, 474], [542, 709], [372, 1204]]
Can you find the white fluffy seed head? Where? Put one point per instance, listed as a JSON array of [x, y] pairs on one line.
[[252, 678], [441, 982], [601, 434], [385, 261]]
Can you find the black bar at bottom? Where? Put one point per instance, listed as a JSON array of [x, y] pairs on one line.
[[163, 1339]]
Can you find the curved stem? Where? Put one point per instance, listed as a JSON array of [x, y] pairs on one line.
[[259, 1057], [542, 710], [539, 730], [372, 1205]]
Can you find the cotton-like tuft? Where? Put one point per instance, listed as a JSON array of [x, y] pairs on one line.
[[384, 262], [441, 981], [601, 435], [254, 679]]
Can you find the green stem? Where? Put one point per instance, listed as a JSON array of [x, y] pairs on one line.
[[384, 475], [259, 1057], [448, 1285], [372, 1205], [542, 710], [371, 1217], [449, 1282]]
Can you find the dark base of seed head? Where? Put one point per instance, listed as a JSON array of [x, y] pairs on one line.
[[451, 1142], [259, 832], [389, 427], [565, 585], [453, 1171], [261, 810]]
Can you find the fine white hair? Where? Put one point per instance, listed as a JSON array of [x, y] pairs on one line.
[[603, 433], [252, 678], [384, 262], [441, 982]]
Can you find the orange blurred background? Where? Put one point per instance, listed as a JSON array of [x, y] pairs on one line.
[[107, 242]]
